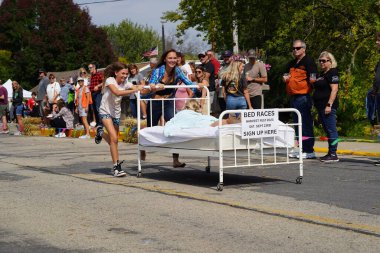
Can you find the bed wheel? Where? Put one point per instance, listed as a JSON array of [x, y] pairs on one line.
[[299, 180], [219, 187], [207, 169], [139, 174]]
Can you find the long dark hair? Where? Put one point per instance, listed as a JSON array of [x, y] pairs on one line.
[[161, 62], [111, 69]]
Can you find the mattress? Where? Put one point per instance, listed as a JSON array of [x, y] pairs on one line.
[[207, 138]]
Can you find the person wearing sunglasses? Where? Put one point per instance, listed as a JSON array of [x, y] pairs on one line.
[[298, 87], [201, 80], [326, 102]]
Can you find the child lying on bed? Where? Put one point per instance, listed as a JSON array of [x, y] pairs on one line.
[[191, 117]]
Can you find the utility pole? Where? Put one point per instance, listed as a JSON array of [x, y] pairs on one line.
[[235, 37], [163, 37]]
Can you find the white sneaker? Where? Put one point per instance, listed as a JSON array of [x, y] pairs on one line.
[[4, 132], [17, 133], [60, 135], [293, 153], [93, 124], [308, 156], [84, 137]]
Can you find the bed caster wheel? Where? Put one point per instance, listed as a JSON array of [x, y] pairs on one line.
[[208, 169], [219, 187], [299, 180], [139, 174]]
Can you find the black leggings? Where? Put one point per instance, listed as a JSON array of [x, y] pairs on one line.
[[58, 123], [256, 102]]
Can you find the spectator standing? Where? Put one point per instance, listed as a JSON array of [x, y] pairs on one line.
[[227, 59], [136, 79], [95, 87], [210, 75], [3, 108], [201, 81], [326, 102], [17, 99], [52, 91], [256, 74], [183, 93], [41, 94], [115, 86], [214, 61], [235, 87], [152, 64], [82, 102], [65, 89], [298, 87]]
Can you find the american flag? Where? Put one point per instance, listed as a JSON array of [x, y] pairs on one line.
[[152, 52]]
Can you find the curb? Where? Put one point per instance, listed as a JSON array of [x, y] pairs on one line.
[[349, 152]]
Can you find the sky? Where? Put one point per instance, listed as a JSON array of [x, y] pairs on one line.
[[143, 12]]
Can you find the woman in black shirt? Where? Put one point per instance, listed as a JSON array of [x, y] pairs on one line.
[[17, 99], [326, 102]]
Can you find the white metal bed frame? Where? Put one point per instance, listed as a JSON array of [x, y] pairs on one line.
[[220, 153]]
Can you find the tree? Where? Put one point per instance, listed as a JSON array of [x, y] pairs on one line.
[[344, 27], [6, 70], [130, 40], [57, 35]]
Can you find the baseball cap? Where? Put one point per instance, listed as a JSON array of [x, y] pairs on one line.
[[227, 53], [80, 79], [201, 55], [41, 70], [252, 54]]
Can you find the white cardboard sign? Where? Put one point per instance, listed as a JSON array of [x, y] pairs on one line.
[[259, 123]]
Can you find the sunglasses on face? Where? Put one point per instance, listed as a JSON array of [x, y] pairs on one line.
[[52, 78], [90, 67], [198, 71], [323, 61], [83, 72], [297, 48]]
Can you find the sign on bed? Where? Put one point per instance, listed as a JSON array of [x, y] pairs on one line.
[[259, 123]]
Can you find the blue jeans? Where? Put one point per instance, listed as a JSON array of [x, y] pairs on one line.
[[303, 104], [96, 100], [133, 107], [157, 111], [233, 103], [329, 125]]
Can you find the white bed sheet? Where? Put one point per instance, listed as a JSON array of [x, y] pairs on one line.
[[208, 138]]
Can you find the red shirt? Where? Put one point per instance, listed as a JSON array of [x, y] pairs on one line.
[[216, 64], [31, 103], [95, 79]]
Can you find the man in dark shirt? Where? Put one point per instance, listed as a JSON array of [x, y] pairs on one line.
[[298, 87], [210, 75], [95, 87]]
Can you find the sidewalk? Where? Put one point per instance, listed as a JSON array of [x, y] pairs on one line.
[[351, 148]]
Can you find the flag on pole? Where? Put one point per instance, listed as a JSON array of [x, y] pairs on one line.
[[152, 52]]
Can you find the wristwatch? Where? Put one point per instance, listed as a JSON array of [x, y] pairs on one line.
[[328, 105]]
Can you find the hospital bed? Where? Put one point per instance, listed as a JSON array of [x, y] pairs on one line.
[[224, 142]]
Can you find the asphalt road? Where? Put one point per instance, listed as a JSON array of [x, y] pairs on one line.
[[56, 195]]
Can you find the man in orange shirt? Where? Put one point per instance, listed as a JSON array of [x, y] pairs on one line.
[[298, 87]]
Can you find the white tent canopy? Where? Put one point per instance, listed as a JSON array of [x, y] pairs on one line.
[[8, 86]]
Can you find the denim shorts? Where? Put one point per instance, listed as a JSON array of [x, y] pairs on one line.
[[115, 121], [19, 110]]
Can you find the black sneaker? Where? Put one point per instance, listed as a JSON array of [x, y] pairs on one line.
[[98, 136], [329, 158], [117, 171], [377, 163]]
